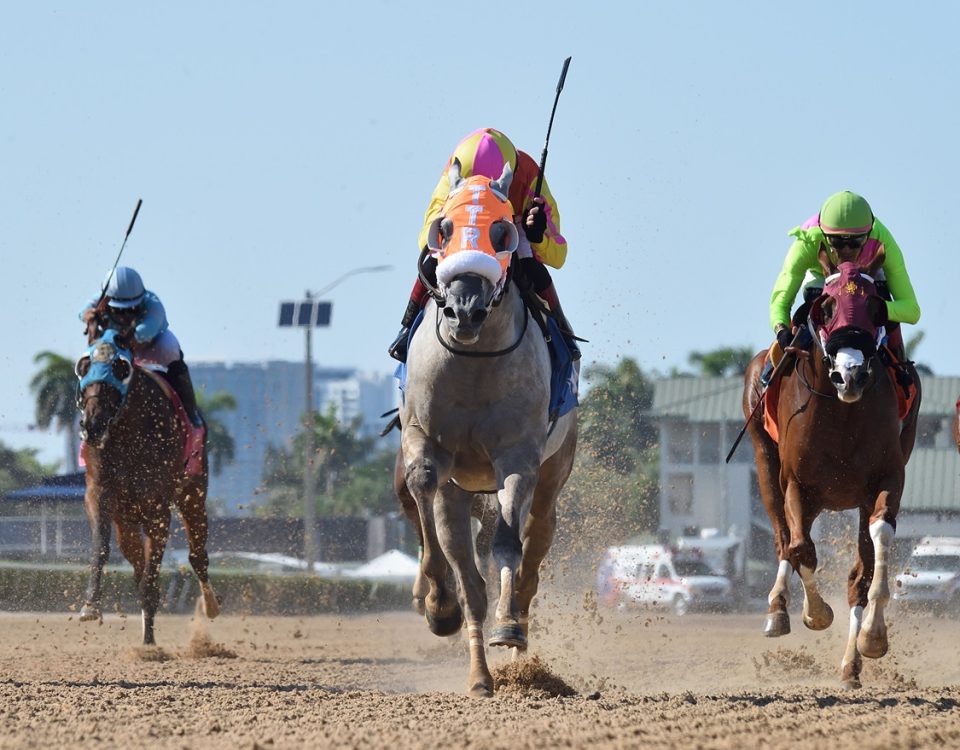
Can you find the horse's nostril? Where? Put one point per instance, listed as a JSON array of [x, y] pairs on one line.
[[448, 313], [836, 378], [861, 379], [478, 317]]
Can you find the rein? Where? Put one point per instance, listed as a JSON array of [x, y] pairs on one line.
[[469, 353]]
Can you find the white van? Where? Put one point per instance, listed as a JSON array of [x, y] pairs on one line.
[[931, 577], [654, 575]]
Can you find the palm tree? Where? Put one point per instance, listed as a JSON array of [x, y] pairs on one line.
[[55, 388], [220, 444]]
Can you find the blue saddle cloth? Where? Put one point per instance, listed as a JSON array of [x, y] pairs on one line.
[[563, 375]]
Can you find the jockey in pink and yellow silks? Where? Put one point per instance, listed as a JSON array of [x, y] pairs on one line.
[[847, 230], [485, 152]]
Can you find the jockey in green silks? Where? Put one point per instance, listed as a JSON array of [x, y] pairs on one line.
[[847, 229]]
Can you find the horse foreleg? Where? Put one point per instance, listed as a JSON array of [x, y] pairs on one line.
[[515, 497], [872, 640], [424, 475], [409, 505], [817, 614], [158, 531], [455, 535], [131, 545], [193, 513], [858, 583], [100, 552]]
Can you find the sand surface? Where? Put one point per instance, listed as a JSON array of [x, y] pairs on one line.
[[641, 679]]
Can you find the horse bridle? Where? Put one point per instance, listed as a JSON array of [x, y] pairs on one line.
[[440, 299], [470, 353], [827, 360]]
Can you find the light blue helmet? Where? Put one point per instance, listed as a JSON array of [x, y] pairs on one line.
[[125, 288]]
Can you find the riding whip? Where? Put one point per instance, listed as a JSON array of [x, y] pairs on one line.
[[543, 156], [106, 283], [773, 376]]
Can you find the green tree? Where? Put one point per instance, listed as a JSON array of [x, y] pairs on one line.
[[614, 488], [220, 444], [20, 468], [722, 362], [910, 347], [338, 452], [55, 388]]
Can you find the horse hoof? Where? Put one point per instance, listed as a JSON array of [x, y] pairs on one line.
[[872, 646], [443, 626], [821, 622], [211, 602], [89, 613], [510, 635], [852, 683], [480, 690], [777, 624]]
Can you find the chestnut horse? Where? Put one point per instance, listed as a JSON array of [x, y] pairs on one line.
[[841, 446], [133, 449], [956, 426]]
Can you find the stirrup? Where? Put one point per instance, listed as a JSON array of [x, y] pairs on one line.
[[766, 373], [398, 349]]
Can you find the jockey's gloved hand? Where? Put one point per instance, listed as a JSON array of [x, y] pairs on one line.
[[784, 337], [535, 221]]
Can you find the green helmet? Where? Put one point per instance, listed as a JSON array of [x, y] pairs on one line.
[[846, 213]]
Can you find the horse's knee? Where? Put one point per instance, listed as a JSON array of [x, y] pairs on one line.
[[422, 479], [802, 553]]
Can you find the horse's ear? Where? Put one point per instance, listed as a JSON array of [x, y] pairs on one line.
[[877, 263], [502, 185], [825, 263], [453, 174]]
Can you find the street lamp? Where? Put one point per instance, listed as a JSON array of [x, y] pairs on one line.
[[309, 313]]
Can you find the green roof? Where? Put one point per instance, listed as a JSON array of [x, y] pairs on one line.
[[933, 481], [718, 399]]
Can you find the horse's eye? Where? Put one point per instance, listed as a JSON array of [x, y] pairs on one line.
[[82, 367], [121, 370]]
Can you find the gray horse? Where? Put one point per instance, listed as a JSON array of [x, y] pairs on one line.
[[475, 419]]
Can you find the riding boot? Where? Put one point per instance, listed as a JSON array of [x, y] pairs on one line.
[[550, 295], [398, 349], [179, 377]]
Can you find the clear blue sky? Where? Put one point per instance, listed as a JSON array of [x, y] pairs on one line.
[[277, 146]]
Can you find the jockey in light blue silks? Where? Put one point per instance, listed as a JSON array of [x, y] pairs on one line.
[[128, 307]]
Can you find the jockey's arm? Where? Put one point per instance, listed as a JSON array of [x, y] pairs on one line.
[[552, 250], [903, 308], [788, 283], [153, 320]]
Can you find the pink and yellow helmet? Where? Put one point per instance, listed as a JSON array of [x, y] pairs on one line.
[[485, 152]]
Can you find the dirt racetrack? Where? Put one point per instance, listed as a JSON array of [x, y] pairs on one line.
[[642, 679]]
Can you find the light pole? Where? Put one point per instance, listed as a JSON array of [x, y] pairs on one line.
[[307, 314]]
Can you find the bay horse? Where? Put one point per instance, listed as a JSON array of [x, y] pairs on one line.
[[842, 445], [475, 420], [134, 454]]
